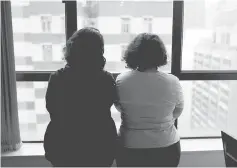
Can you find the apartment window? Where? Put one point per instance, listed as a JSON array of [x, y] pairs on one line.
[[209, 34], [31, 48], [47, 52], [126, 25], [148, 25], [194, 121], [46, 22]]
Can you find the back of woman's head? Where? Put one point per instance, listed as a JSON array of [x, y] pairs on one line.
[[84, 50], [146, 51]]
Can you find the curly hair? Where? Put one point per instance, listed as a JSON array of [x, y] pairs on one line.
[[85, 49], [145, 51]]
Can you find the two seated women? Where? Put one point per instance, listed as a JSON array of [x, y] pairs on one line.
[[79, 97]]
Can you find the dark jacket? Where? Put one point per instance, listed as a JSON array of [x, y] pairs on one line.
[[81, 125]]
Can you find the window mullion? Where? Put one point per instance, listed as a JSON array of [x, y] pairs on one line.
[[70, 18], [177, 37]]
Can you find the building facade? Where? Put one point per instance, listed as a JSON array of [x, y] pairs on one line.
[[213, 102]]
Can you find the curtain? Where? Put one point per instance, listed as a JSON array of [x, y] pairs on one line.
[[10, 133]]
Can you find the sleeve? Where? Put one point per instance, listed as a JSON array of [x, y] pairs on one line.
[[117, 103], [179, 97], [114, 91], [52, 96], [111, 86]]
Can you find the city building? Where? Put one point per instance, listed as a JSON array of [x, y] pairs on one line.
[[213, 101]]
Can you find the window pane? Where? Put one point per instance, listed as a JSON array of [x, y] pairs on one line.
[[33, 116], [210, 35], [39, 34], [209, 107], [121, 21]]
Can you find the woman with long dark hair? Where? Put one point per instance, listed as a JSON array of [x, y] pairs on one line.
[[79, 97], [149, 101]]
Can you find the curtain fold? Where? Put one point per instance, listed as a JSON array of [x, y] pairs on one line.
[[10, 132]]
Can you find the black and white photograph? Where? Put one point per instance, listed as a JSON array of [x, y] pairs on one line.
[[119, 83]]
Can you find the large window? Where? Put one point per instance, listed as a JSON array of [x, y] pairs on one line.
[[201, 52], [120, 21], [208, 106], [210, 35], [209, 51], [33, 116], [38, 35]]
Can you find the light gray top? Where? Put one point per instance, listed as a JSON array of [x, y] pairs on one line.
[[149, 103]]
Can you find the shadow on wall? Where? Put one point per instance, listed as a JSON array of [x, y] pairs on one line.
[[188, 159]]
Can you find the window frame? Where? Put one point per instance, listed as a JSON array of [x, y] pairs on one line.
[[148, 23], [126, 24], [176, 63], [44, 48], [47, 23]]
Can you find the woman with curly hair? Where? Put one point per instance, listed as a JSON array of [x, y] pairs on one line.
[[149, 101], [79, 97]]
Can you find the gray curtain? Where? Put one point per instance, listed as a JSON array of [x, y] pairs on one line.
[[10, 133]]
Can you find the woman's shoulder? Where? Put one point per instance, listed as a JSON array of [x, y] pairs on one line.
[[125, 75], [170, 79], [106, 73], [63, 72], [107, 76], [58, 74], [168, 76]]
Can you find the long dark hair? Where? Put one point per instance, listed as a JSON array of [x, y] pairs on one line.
[[84, 50]]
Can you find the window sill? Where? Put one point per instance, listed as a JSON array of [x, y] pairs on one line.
[[187, 145]]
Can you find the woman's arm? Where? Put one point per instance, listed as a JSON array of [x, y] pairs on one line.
[[117, 103], [177, 111], [179, 99], [117, 99]]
